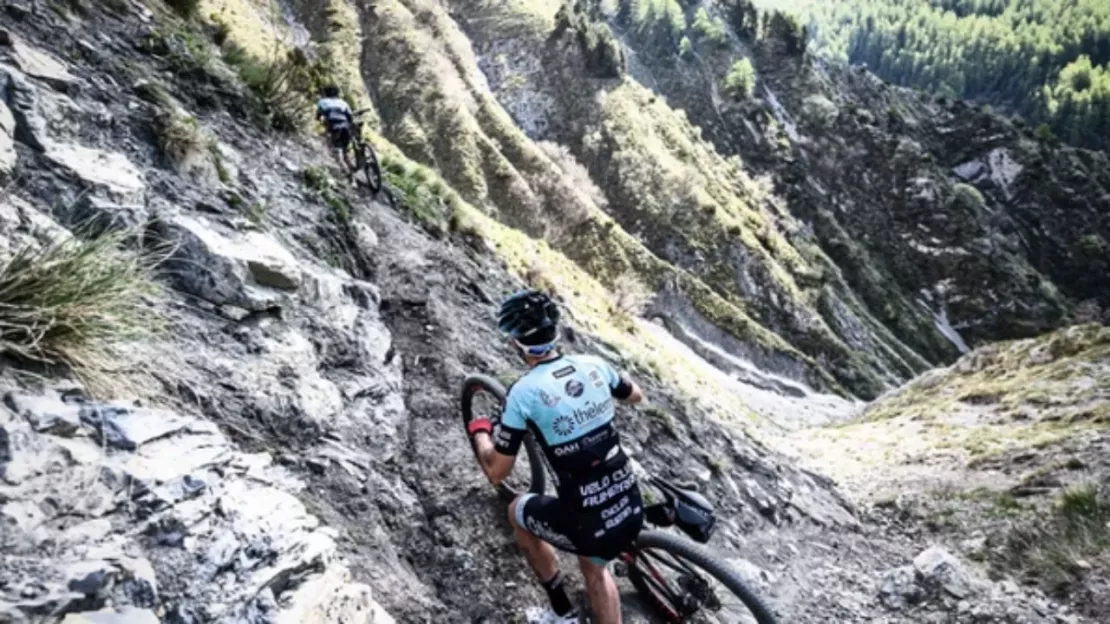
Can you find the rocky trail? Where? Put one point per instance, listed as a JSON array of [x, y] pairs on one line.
[[288, 449]]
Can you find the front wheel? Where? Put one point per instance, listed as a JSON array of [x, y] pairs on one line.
[[368, 170], [683, 582], [485, 396]]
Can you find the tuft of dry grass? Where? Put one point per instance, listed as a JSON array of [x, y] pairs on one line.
[[69, 302], [1059, 549], [179, 138]]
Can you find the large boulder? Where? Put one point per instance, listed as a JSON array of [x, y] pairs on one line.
[[937, 568], [245, 269]]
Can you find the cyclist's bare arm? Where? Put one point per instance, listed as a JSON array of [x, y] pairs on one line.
[[627, 392], [497, 466]]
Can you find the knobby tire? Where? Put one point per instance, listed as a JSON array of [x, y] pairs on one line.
[[368, 165], [481, 383], [698, 557]]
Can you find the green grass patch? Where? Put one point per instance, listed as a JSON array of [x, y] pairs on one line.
[[417, 196]]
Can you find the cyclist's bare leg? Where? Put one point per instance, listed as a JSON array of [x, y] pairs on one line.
[[540, 554], [348, 159], [605, 601]]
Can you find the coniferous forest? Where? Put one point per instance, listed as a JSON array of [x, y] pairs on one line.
[[1046, 60]]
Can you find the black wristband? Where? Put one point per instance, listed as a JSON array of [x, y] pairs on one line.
[[622, 391]]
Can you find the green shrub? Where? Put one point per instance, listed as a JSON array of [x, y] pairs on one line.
[[316, 178], [1094, 247], [339, 205], [221, 31], [740, 81], [604, 55], [153, 93], [787, 29], [685, 48], [1083, 503], [222, 172], [658, 22], [68, 302], [1045, 134], [709, 31], [967, 197]]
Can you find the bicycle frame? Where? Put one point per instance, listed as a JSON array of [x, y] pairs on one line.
[[682, 603]]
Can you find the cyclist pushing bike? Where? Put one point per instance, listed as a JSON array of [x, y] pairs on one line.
[[345, 130], [336, 114], [567, 402]]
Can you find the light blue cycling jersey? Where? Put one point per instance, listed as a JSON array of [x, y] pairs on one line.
[[567, 402], [335, 111], [563, 399]]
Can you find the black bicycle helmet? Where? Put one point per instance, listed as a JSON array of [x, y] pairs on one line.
[[330, 91], [530, 317]]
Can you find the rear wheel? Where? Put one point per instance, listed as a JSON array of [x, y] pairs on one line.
[[683, 582], [485, 396], [368, 170]]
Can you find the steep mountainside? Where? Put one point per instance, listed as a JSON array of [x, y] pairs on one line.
[[799, 265], [229, 379]]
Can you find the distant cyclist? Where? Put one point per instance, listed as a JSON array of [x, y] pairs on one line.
[[568, 402], [336, 113]]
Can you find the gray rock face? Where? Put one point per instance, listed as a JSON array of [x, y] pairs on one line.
[[40, 64], [95, 169], [218, 521], [127, 428], [242, 269], [22, 224], [7, 143], [47, 122], [127, 615], [40, 116], [899, 588], [46, 414]]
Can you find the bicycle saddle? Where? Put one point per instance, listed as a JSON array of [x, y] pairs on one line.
[[692, 512]]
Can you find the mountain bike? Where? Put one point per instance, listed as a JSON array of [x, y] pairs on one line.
[[366, 172], [678, 578]]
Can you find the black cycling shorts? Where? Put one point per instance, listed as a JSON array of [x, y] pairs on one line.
[[592, 536], [341, 137]]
